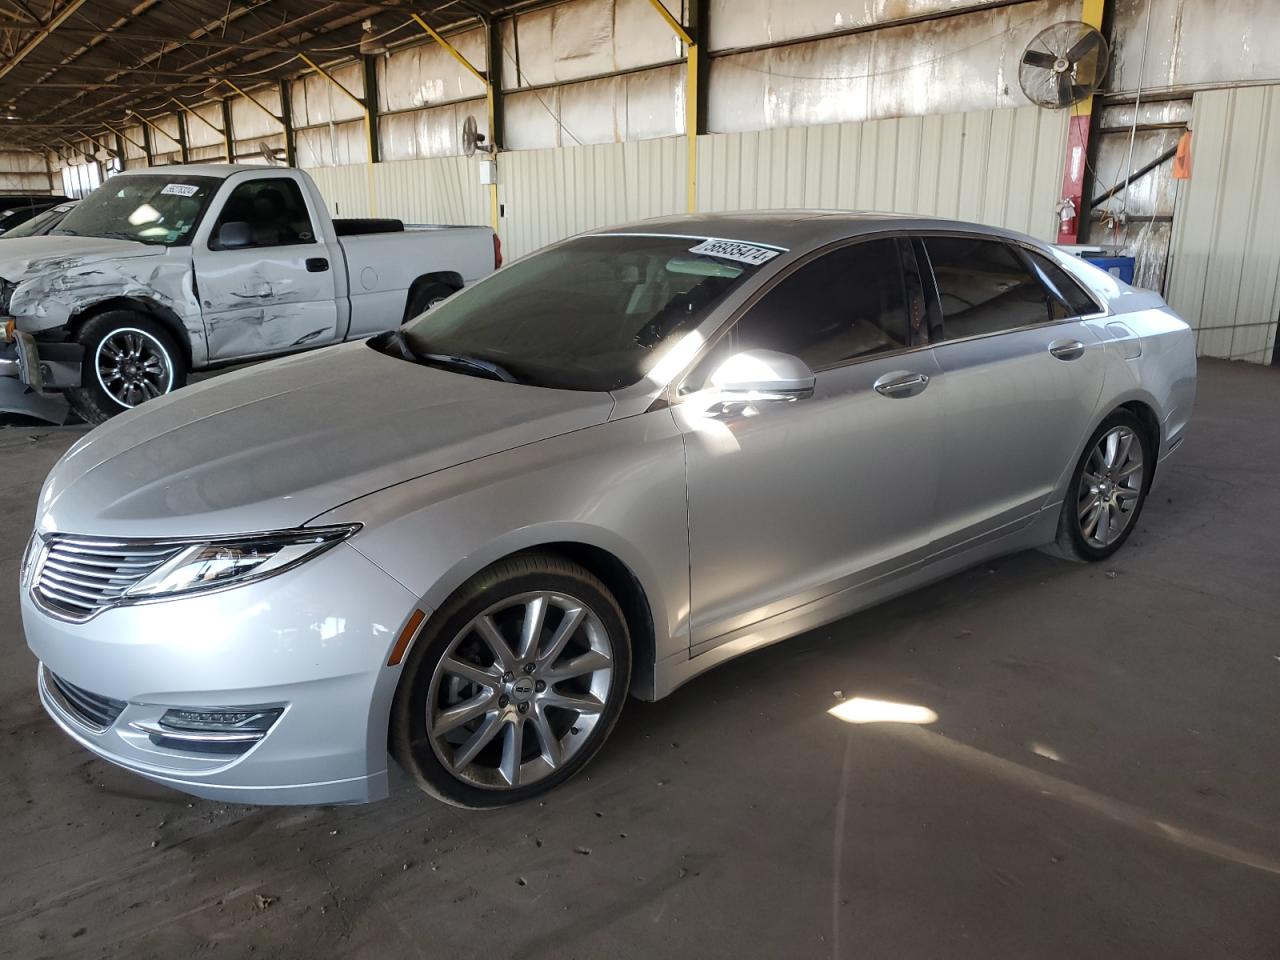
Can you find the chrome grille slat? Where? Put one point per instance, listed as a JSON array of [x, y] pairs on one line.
[[91, 709], [78, 576]]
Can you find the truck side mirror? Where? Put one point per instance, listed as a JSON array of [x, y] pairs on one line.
[[235, 234]]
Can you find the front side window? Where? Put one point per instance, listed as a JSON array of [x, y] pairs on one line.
[[274, 211], [846, 304], [595, 313], [160, 209], [983, 287]]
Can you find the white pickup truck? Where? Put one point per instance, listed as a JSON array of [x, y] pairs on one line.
[[171, 269]]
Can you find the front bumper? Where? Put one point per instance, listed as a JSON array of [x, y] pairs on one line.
[[312, 642], [44, 367]]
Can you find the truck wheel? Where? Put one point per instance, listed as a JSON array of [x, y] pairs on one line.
[[424, 297], [129, 358]]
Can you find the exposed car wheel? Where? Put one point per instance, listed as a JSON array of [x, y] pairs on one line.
[[1107, 490], [128, 359], [513, 685], [423, 298]]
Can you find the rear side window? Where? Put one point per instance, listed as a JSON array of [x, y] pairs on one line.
[[846, 304], [983, 287], [1079, 303]]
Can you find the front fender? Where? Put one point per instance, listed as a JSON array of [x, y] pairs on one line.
[[618, 487]]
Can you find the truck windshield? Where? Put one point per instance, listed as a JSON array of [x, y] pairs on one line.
[[161, 209], [595, 313]]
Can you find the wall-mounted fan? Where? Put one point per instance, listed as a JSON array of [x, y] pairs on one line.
[[1063, 64], [473, 139]]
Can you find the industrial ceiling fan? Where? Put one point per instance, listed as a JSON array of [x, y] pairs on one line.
[[1063, 64]]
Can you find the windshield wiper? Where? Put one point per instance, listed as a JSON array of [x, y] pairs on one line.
[[496, 371]]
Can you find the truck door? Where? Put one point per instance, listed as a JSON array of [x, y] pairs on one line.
[[264, 274]]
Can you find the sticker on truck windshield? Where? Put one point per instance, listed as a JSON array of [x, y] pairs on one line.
[[731, 250], [181, 189]]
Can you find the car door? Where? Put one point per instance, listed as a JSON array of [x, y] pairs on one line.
[[1021, 379], [790, 502], [265, 278]]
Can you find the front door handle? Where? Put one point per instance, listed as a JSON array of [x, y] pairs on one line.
[[901, 384], [1067, 349], [317, 264]]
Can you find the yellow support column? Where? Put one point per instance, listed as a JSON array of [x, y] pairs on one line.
[[690, 98], [368, 124]]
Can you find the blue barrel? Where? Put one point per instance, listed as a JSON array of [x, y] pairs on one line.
[[1119, 267]]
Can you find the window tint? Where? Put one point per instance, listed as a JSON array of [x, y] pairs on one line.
[[1078, 302], [983, 287], [846, 304], [274, 209]]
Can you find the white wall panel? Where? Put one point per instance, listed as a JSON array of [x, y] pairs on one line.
[[207, 133], [249, 121], [1224, 275], [432, 132], [421, 75], [317, 100], [1001, 167], [552, 194], [438, 190], [23, 172]]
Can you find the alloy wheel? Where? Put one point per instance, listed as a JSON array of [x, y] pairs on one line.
[[1110, 487], [133, 366], [519, 690]]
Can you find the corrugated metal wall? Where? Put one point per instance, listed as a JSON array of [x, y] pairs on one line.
[[995, 166], [1001, 167], [1225, 270]]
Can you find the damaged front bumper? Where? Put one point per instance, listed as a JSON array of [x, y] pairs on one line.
[[43, 366]]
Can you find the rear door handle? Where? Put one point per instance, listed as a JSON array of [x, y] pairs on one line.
[[317, 264], [1067, 349], [901, 384]]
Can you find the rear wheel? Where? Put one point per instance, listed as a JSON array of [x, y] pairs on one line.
[[1107, 490], [129, 358], [425, 296], [514, 685]]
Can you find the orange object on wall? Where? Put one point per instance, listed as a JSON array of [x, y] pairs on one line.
[[1182, 159]]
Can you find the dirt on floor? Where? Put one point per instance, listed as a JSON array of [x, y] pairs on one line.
[[1102, 780]]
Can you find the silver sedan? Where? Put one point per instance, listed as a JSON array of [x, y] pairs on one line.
[[610, 466]]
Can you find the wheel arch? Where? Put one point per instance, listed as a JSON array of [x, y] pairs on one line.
[[163, 315], [622, 579], [449, 278]]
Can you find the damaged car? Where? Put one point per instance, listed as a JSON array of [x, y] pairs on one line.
[[165, 270]]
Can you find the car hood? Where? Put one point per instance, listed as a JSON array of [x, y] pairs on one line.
[[24, 258], [275, 445]]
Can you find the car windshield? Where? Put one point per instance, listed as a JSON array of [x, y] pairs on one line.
[[161, 209], [595, 313], [38, 224]]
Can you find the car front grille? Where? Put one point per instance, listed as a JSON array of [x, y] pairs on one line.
[[93, 710], [78, 576]]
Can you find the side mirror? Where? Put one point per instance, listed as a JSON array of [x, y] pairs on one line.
[[764, 375], [235, 234]]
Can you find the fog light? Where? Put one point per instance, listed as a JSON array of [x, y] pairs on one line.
[[211, 727], [232, 721]]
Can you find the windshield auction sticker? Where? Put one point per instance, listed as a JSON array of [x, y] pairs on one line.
[[731, 250], [180, 189]]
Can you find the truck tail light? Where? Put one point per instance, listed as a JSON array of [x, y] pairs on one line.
[[497, 251]]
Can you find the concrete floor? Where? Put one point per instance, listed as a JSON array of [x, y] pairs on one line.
[[1101, 781]]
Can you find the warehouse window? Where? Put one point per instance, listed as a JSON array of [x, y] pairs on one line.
[[846, 304], [984, 288], [274, 210]]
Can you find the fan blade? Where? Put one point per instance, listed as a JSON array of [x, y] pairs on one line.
[[1038, 58], [1079, 91], [1064, 90], [1083, 46]]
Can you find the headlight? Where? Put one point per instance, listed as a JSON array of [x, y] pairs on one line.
[[6, 294], [215, 564]]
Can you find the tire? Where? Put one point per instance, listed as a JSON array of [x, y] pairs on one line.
[[162, 370], [1089, 506], [425, 296], [469, 763]]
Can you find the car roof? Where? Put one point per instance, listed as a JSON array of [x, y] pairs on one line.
[[797, 230], [219, 170]]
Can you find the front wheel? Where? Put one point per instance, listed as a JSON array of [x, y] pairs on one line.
[[129, 358], [1107, 489], [514, 684]]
